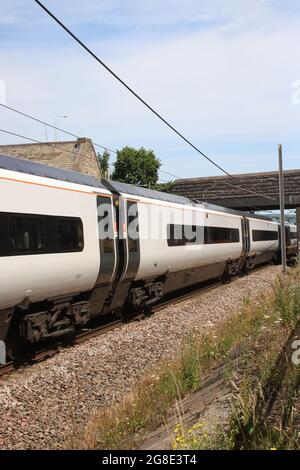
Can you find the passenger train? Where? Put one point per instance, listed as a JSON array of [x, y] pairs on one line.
[[73, 248]]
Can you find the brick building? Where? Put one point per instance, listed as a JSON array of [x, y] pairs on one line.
[[78, 155]]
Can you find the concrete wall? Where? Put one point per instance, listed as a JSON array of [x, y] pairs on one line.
[[235, 193]]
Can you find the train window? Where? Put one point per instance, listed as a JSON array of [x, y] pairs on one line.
[[132, 227], [26, 234], [108, 245], [181, 235], [70, 234], [264, 235], [105, 224], [294, 236], [214, 235], [175, 234], [31, 234]]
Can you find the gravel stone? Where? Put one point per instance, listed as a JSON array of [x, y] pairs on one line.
[[41, 405]]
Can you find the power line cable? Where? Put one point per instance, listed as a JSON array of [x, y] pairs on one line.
[[40, 142], [156, 113], [170, 174], [111, 164], [50, 144], [33, 118], [51, 125]]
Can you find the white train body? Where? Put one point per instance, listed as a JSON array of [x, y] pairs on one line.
[[48, 275], [157, 257], [58, 270]]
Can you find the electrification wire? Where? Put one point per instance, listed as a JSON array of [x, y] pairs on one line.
[[33, 118], [67, 150], [50, 144], [170, 174], [144, 102], [53, 127]]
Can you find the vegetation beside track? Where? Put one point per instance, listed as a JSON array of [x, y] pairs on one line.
[[264, 383]]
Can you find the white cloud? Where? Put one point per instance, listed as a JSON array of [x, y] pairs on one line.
[[223, 86]]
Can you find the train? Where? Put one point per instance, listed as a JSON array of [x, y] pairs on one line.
[[74, 248]]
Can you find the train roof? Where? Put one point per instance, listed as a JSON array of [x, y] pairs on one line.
[[117, 186], [38, 169], [145, 192]]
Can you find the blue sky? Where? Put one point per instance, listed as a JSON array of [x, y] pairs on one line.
[[221, 71]]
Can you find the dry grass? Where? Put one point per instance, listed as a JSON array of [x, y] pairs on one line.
[[265, 407], [259, 329]]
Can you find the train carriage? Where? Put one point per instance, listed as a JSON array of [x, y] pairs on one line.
[[73, 248], [264, 240], [49, 249], [179, 243]]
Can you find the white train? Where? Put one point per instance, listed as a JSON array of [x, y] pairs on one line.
[[73, 248]]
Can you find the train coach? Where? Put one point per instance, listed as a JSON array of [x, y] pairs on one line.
[[73, 248]]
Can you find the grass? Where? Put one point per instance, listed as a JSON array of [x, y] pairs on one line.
[[257, 330], [251, 426]]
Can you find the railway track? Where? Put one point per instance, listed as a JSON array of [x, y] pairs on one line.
[[40, 355]]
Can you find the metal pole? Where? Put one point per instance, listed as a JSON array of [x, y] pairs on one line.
[[282, 220]]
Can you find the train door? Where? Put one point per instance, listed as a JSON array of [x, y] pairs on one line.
[[245, 240], [129, 248], [247, 236], [107, 235]]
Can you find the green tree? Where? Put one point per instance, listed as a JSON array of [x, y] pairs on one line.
[[136, 166], [165, 187], [104, 163]]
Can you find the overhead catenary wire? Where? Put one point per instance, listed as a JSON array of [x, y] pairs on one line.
[[134, 93], [63, 149], [50, 144], [33, 118], [161, 171], [170, 174], [40, 121]]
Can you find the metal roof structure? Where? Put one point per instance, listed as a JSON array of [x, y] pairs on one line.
[[116, 186], [150, 193]]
